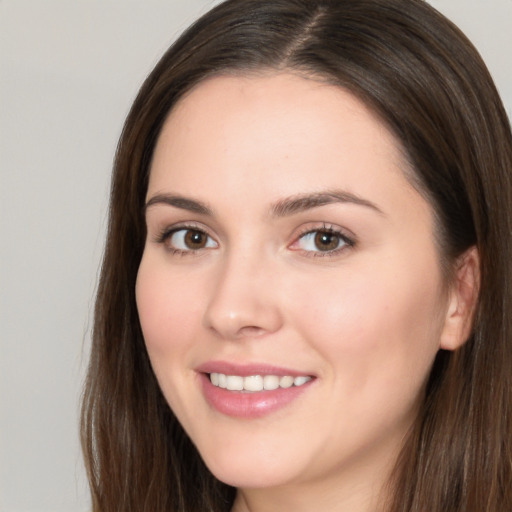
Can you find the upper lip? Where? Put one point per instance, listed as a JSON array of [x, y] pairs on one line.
[[246, 370]]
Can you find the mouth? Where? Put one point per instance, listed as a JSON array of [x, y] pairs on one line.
[[256, 383], [251, 391]]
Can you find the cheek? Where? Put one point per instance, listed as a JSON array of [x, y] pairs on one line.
[[373, 324], [166, 310], [169, 314]]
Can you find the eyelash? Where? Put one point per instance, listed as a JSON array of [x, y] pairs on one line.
[[167, 233], [348, 242]]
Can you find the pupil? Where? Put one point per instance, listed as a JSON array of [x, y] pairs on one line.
[[195, 239], [326, 241]]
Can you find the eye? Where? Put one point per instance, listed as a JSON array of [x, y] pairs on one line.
[[323, 241], [187, 240]]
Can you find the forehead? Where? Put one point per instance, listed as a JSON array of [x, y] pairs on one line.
[[275, 99], [268, 123]]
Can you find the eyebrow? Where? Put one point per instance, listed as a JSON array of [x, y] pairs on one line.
[[181, 202], [282, 208], [304, 202]]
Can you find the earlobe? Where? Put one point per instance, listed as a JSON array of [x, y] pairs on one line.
[[462, 301]]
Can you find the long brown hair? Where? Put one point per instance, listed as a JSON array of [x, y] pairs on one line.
[[425, 80]]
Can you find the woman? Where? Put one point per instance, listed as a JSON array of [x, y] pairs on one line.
[[306, 285]]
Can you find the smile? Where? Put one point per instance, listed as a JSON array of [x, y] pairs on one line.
[[255, 383]]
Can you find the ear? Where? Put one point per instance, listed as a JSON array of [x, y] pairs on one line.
[[463, 298]]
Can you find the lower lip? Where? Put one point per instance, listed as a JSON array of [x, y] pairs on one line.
[[249, 405]]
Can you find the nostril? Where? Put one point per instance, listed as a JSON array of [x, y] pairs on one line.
[[251, 331]]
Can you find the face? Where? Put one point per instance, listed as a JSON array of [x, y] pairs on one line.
[[288, 260]]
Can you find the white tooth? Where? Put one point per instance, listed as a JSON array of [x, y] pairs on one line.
[[270, 382], [286, 382], [222, 380], [234, 383], [298, 381], [214, 378], [253, 383]]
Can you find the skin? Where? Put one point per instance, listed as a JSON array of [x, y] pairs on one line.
[[366, 320]]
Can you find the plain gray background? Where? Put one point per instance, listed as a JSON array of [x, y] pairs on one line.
[[69, 70]]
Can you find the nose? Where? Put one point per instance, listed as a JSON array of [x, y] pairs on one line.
[[244, 302]]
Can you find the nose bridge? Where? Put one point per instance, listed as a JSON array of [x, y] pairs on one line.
[[242, 302]]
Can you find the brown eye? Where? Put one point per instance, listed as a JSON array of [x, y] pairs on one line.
[[195, 239], [189, 240], [325, 241]]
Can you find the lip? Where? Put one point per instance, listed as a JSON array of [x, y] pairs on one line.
[[248, 405], [246, 370]]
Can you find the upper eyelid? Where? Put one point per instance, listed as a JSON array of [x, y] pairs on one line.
[[161, 234], [159, 218], [176, 226], [324, 226]]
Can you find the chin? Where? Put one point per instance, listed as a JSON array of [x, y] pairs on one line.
[[250, 479], [248, 473]]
